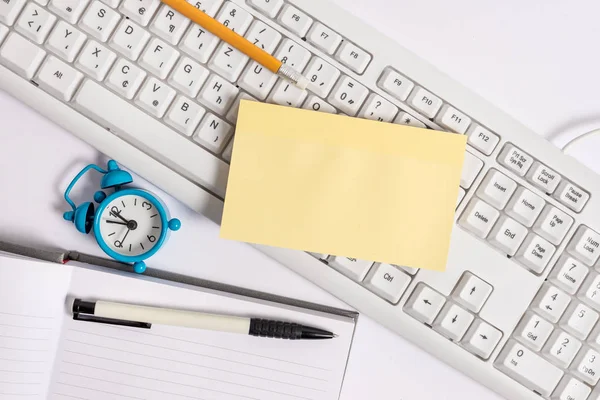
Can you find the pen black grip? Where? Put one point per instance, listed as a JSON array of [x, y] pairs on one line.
[[275, 329]]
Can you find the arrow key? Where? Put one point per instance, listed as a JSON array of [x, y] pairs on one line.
[[453, 321], [424, 304], [550, 302], [471, 292], [481, 339]]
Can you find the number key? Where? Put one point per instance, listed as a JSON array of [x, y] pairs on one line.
[[348, 95], [586, 366], [579, 320], [292, 54], [322, 76], [235, 18], [533, 331], [561, 348], [550, 302]]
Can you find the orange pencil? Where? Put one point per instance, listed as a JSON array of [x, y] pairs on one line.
[[239, 42]]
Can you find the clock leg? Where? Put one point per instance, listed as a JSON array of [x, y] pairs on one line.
[[139, 267]]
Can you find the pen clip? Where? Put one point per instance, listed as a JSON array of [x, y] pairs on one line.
[[110, 321]]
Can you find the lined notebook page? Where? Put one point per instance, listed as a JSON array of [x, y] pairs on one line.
[[109, 362], [31, 311]]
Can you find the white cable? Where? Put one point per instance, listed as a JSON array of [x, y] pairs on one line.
[[578, 139]]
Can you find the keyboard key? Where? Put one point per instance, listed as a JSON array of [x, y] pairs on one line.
[[287, 94], [129, 39], [571, 196], [263, 36], [507, 235], [424, 304], [377, 108], [348, 95], [408, 120], [151, 136], [535, 253], [3, 32], [314, 103], [579, 320], [570, 388], [21, 56], [188, 76], [159, 58], [525, 206], [585, 366], [257, 80], [515, 160], [395, 84], [461, 196], [155, 97], [409, 270], [169, 24], [496, 188], [481, 339], [199, 43], [471, 168], [292, 54], [453, 322], [453, 120], [232, 115], [58, 78], [425, 102], [218, 94], [585, 245], [9, 10], [112, 3], [590, 291], [35, 23], [324, 38], [125, 78], [209, 7], [353, 57], [479, 217], [527, 368], [353, 268], [228, 62], [227, 153], [65, 41], [568, 274], [387, 282], [482, 139], [561, 348], [184, 115], [550, 302], [533, 331], [213, 133], [543, 177], [322, 76], [69, 10], [139, 11], [235, 18], [268, 7], [99, 21], [295, 20], [553, 224]]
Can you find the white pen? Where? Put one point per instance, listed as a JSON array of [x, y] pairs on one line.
[[143, 317]]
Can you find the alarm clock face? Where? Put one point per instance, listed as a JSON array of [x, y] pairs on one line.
[[130, 225]]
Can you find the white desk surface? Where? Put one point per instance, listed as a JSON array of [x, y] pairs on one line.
[[536, 60]]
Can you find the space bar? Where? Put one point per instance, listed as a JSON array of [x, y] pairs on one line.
[[152, 137]]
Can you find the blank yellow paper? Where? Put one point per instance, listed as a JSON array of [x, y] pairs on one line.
[[337, 185]]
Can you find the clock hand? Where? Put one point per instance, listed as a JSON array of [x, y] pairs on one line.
[[125, 237], [118, 215], [115, 222]]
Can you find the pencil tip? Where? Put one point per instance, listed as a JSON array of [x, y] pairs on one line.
[[334, 335]]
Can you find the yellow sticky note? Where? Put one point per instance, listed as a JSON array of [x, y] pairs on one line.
[[344, 186]]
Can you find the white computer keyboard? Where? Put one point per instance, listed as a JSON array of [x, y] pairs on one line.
[[517, 308]]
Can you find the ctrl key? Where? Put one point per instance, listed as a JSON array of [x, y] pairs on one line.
[[528, 368]]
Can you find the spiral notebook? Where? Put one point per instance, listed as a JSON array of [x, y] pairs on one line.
[[45, 354]]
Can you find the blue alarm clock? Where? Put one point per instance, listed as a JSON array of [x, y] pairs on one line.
[[130, 224]]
